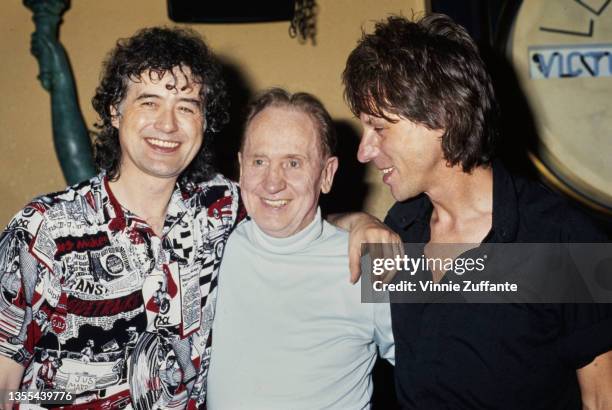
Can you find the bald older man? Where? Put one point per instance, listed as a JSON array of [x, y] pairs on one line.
[[290, 332]]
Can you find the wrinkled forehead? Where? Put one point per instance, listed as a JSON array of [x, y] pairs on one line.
[[280, 124]]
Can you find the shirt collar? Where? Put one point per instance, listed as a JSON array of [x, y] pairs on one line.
[[287, 245], [415, 209], [416, 212], [505, 205], [116, 214]]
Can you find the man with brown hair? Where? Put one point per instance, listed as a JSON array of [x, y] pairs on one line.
[[428, 112]]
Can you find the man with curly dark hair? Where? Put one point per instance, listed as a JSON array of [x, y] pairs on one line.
[[427, 107], [154, 53], [124, 265]]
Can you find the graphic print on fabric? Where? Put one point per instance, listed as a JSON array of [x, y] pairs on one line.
[[92, 301]]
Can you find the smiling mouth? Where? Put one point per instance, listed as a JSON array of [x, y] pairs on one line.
[[162, 144], [387, 172], [275, 203]]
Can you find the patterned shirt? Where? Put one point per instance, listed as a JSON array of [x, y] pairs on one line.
[[92, 301]]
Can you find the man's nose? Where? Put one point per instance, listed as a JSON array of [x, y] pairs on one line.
[[274, 180], [368, 147], [166, 120]]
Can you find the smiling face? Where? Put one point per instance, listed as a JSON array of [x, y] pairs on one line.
[[408, 155], [282, 172], [161, 125]]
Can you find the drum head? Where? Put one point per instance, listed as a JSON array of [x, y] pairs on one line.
[[562, 53]]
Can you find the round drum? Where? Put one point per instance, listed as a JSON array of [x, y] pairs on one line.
[[562, 53]]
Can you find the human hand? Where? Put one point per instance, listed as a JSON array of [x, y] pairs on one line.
[[10, 379], [365, 229]]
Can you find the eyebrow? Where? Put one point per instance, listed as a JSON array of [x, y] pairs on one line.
[[288, 156], [144, 96], [191, 101], [297, 156], [372, 120]]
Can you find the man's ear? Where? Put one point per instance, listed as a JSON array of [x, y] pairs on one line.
[[239, 166], [327, 175], [114, 116]]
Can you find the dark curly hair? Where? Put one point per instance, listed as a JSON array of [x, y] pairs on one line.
[[304, 102], [431, 73], [158, 50]]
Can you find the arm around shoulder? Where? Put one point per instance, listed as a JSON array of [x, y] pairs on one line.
[[363, 229]]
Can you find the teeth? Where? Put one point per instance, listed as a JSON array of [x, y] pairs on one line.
[[162, 143], [276, 203], [387, 170]]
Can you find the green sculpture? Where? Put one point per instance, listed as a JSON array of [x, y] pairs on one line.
[[70, 135]]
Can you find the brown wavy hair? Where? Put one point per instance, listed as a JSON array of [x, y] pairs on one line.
[[430, 72]]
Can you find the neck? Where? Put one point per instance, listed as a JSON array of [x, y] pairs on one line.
[[463, 202], [145, 196], [289, 244]]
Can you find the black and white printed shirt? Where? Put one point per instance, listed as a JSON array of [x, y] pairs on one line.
[[93, 302]]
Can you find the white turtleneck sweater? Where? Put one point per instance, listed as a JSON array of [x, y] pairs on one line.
[[290, 331]]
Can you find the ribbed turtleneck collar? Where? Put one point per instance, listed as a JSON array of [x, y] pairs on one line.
[[290, 244]]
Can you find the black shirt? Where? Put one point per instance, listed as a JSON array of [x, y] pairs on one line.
[[498, 356]]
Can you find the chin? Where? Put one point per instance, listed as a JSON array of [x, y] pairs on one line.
[[404, 196], [268, 228], [398, 196]]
